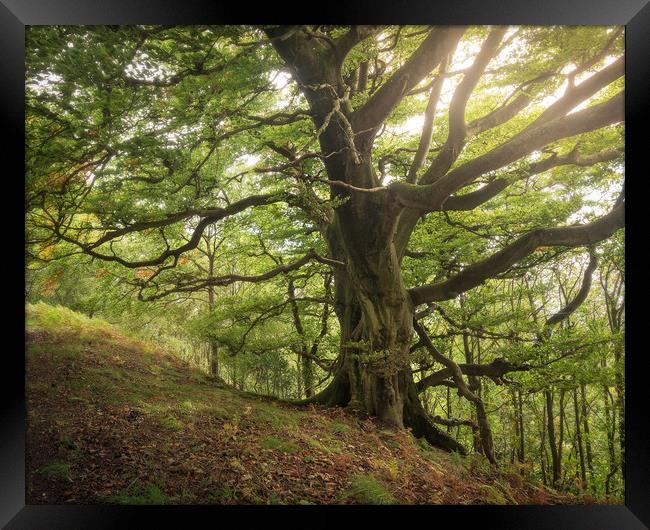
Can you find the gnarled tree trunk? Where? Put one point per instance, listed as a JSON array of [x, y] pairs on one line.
[[375, 314]]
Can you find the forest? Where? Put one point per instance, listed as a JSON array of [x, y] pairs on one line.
[[414, 226]]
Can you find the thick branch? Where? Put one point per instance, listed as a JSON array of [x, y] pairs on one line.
[[478, 273], [496, 369], [430, 53], [471, 200], [432, 197], [353, 37], [453, 422], [577, 93], [427, 127], [457, 126]]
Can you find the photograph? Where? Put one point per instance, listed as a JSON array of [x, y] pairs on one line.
[[325, 264]]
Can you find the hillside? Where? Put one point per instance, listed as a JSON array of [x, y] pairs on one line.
[[114, 420]]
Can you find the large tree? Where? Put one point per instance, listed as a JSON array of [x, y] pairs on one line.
[[141, 138]]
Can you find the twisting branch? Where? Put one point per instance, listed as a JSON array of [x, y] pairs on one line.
[[577, 93], [354, 36], [463, 390], [513, 104], [208, 216], [471, 200], [220, 281], [453, 422], [580, 297]]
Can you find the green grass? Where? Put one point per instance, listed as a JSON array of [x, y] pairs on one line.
[[226, 493], [140, 494], [338, 427], [495, 494], [67, 443], [328, 446], [172, 423], [70, 350], [42, 315], [55, 470], [277, 417], [276, 444], [365, 489]]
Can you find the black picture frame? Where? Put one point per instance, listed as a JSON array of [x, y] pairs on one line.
[[16, 14]]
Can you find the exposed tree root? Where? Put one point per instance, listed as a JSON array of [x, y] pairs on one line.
[[337, 393], [422, 427]]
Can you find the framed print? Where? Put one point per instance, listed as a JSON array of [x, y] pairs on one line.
[[379, 259]]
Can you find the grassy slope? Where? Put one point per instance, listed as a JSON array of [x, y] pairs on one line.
[[112, 419]]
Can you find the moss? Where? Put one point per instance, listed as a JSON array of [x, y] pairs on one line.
[[365, 489]]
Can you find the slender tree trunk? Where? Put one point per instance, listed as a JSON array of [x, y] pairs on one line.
[[518, 424], [610, 441], [542, 448], [306, 365], [308, 376], [581, 453], [620, 405], [585, 428], [560, 444], [522, 433], [448, 408], [214, 347], [299, 379], [474, 386], [551, 437]]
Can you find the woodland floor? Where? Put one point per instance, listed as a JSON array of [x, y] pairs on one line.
[[114, 420]]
